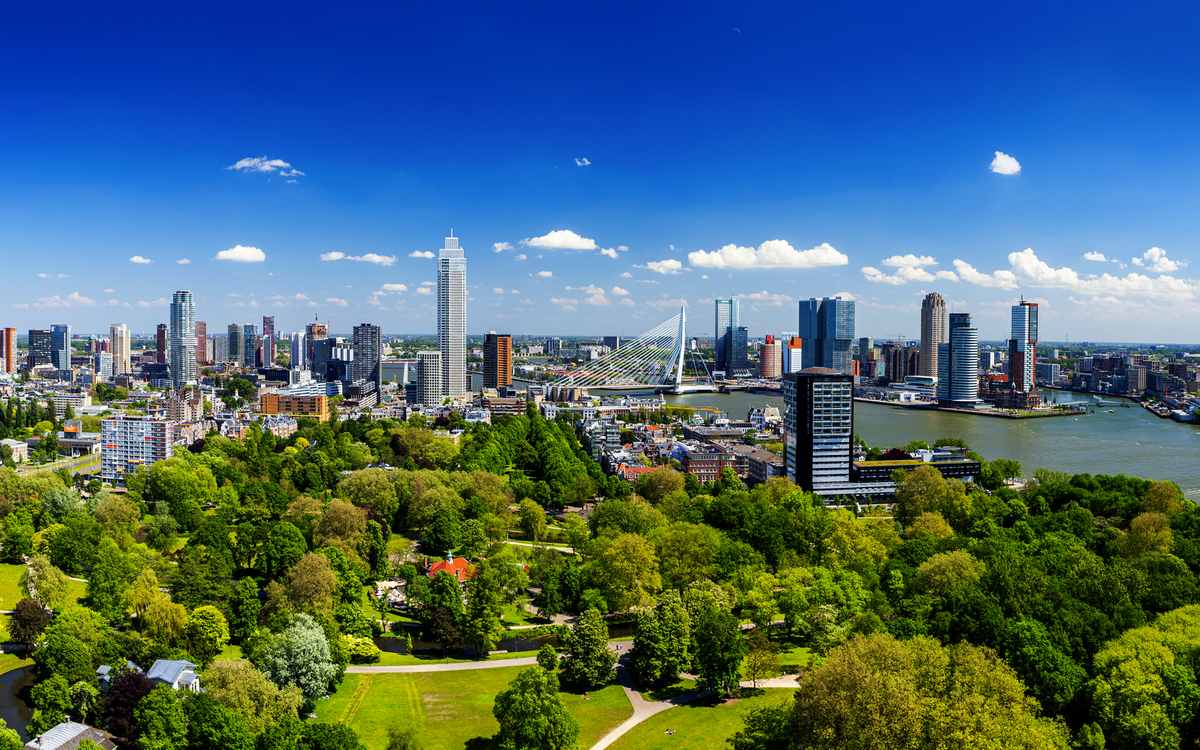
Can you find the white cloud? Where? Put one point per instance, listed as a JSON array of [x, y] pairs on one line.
[[522, 256], [770, 254], [112, 303], [1005, 164], [287, 297], [140, 259], [704, 276], [909, 261], [253, 303], [660, 303], [610, 252], [260, 164], [74, 299], [670, 266], [598, 299], [183, 262], [1155, 259], [499, 247], [335, 255], [160, 302], [336, 302], [395, 288], [1096, 257], [425, 290], [53, 276], [498, 290], [561, 239], [567, 305], [109, 291], [582, 162], [846, 296], [620, 292], [428, 283], [905, 274], [382, 260], [545, 274], [21, 305], [998, 280], [242, 254], [627, 275], [775, 300], [292, 173], [421, 254], [627, 302]]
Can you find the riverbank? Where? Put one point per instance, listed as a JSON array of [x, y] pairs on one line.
[[924, 406]]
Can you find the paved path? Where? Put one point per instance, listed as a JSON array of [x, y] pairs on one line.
[[564, 550], [523, 661], [642, 708]]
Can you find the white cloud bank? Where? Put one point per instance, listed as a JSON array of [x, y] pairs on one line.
[[263, 164], [427, 254], [560, 239], [141, 260], [909, 261], [770, 254], [1155, 259], [1025, 268], [380, 260], [669, 267], [242, 254], [1005, 164]]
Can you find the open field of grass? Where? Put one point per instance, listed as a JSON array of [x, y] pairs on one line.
[[10, 587], [452, 709], [390, 659], [701, 725], [9, 662]]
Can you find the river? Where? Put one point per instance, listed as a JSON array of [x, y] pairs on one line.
[[1129, 441]]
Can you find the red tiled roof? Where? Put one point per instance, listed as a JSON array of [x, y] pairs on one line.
[[459, 568]]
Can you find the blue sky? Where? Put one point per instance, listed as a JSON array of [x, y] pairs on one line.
[[842, 149]]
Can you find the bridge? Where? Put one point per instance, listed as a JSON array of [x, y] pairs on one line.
[[652, 361]]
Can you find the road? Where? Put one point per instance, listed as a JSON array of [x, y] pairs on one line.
[[88, 464]]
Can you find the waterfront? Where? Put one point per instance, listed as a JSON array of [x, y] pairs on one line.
[[1129, 441]]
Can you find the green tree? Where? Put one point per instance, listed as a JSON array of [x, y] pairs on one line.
[[9, 739], [161, 720], [532, 715], [28, 622], [660, 642], [588, 661], [322, 736], [49, 584], [110, 579], [481, 628], [51, 701], [547, 657], [443, 532], [1148, 532], [720, 648], [655, 485], [65, 655], [239, 686], [533, 520], [284, 547], [211, 726], [206, 633], [300, 656], [627, 571], [762, 658], [245, 607]]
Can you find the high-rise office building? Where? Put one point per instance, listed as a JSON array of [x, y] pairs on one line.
[[866, 350], [119, 340], [296, 351], [368, 354], [958, 364], [827, 327], [933, 332], [726, 323], [818, 425], [161, 343], [8, 349], [612, 342], [39, 348], [250, 345], [429, 378], [60, 346], [183, 339], [1022, 346], [103, 364], [497, 360], [268, 341], [201, 343], [313, 334], [220, 349], [793, 355], [452, 318], [770, 356], [235, 343]]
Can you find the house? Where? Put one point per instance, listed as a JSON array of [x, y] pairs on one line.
[[175, 672], [105, 674], [68, 735], [457, 567]]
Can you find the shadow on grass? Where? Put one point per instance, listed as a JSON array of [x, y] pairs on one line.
[[667, 692], [481, 743]]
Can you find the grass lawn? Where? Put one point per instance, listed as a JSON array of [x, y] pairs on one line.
[[9, 662], [10, 587], [230, 652], [515, 614], [670, 691], [398, 544], [4, 630], [698, 726], [794, 657], [452, 708], [391, 659]]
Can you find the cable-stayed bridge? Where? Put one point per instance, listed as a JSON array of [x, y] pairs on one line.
[[652, 361]]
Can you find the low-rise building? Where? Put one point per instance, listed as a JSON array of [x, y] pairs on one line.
[[705, 461], [20, 450], [950, 465], [314, 406], [68, 736], [764, 465], [176, 673]]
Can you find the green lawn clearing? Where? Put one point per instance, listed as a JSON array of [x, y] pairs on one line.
[[452, 708], [392, 659], [10, 586], [9, 662], [700, 725]]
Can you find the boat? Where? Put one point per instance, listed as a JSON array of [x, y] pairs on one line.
[[1110, 411]]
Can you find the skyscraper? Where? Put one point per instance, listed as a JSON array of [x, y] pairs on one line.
[[368, 354], [118, 336], [452, 318], [296, 351], [60, 346], [933, 332], [183, 339], [39, 348], [268, 341], [429, 378], [235, 344], [726, 323], [249, 345], [827, 327], [612, 342], [313, 333], [8, 349], [1022, 347], [770, 356], [958, 364], [497, 360], [793, 355], [201, 343], [161, 344], [818, 426]]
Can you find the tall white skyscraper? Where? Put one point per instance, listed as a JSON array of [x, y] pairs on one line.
[[452, 318], [296, 353], [118, 336], [182, 344], [429, 378]]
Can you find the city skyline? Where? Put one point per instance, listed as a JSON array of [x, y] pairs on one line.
[[254, 182]]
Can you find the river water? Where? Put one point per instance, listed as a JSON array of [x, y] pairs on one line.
[[1129, 441]]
